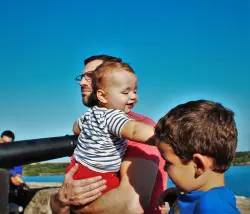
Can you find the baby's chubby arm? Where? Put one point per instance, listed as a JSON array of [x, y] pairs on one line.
[[138, 131], [76, 128]]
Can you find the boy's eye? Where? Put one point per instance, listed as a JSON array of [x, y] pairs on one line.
[[167, 165], [124, 92]]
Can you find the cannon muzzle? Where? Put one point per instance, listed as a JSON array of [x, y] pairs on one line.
[[36, 150]]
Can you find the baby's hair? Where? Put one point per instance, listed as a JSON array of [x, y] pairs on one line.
[[105, 69], [203, 127]]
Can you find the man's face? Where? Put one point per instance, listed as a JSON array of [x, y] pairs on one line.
[[86, 83], [6, 139]]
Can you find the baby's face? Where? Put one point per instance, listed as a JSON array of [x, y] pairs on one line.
[[182, 174], [121, 90]]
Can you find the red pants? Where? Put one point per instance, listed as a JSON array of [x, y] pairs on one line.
[[84, 172]]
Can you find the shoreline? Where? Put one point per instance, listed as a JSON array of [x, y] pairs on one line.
[[243, 164], [63, 173], [33, 185]]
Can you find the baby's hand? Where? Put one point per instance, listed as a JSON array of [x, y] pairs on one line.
[[160, 202]]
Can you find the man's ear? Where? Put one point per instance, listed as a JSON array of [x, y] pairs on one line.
[[101, 96], [201, 163]]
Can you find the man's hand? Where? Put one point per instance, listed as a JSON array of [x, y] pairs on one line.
[[17, 180], [80, 192], [169, 195]]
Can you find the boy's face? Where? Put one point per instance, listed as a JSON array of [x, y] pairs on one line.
[[182, 174], [121, 90]]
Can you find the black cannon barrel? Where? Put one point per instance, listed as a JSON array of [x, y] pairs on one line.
[[36, 150]]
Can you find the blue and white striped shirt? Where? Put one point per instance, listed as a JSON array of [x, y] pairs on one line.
[[100, 146]]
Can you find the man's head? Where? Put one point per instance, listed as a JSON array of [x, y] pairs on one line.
[[91, 64], [115, 86], [195, 137], [7, 137]]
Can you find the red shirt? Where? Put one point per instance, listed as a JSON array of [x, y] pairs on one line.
[[143, 151]]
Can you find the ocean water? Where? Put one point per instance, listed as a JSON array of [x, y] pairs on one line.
[[237, 178]]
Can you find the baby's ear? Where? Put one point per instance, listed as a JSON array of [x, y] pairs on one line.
[[101, 96], [201, 163]]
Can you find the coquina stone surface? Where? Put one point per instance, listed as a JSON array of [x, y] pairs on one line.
[[40, 202]]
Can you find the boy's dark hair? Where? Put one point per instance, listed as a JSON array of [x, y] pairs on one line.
[[203, 127], [103, 57], [9, 134]]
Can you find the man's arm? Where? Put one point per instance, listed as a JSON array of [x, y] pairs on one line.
[[76, 192], [16, 180], [138, 177]]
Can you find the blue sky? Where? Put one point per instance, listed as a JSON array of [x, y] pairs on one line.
[[180, 51]]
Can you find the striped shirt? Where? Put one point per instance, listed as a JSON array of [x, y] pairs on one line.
[[100, 146]]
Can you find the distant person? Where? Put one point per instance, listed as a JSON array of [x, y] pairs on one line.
[[18, 187], [142, 178], [16, 172], [105, 128], [198, 141]]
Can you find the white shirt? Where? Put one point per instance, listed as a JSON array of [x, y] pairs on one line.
[[100, 146]]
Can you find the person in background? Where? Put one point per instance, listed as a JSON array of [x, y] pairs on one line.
[[16, 172], [142, 177], [18, 189], [198, 142]]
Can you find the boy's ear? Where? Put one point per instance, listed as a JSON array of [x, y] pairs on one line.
[[201, 163], [101, 96]]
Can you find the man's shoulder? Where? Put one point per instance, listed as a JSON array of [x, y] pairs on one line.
[[143, 151], [141, 118], [140, 150]]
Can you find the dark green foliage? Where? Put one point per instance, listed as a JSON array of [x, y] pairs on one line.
[[242, 158], [45, 168]]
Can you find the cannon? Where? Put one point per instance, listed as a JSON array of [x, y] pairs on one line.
[[36, 150], [30, 151]]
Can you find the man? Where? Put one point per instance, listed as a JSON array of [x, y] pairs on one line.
[[142, 178], [7, 137], [15, 173], [17, 187]]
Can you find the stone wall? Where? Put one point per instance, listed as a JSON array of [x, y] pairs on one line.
[[40, 202], [40, 193]]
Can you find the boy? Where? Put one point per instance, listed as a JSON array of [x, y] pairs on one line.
[[198, 141]]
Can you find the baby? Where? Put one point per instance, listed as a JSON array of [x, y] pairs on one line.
[[105, 128]]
